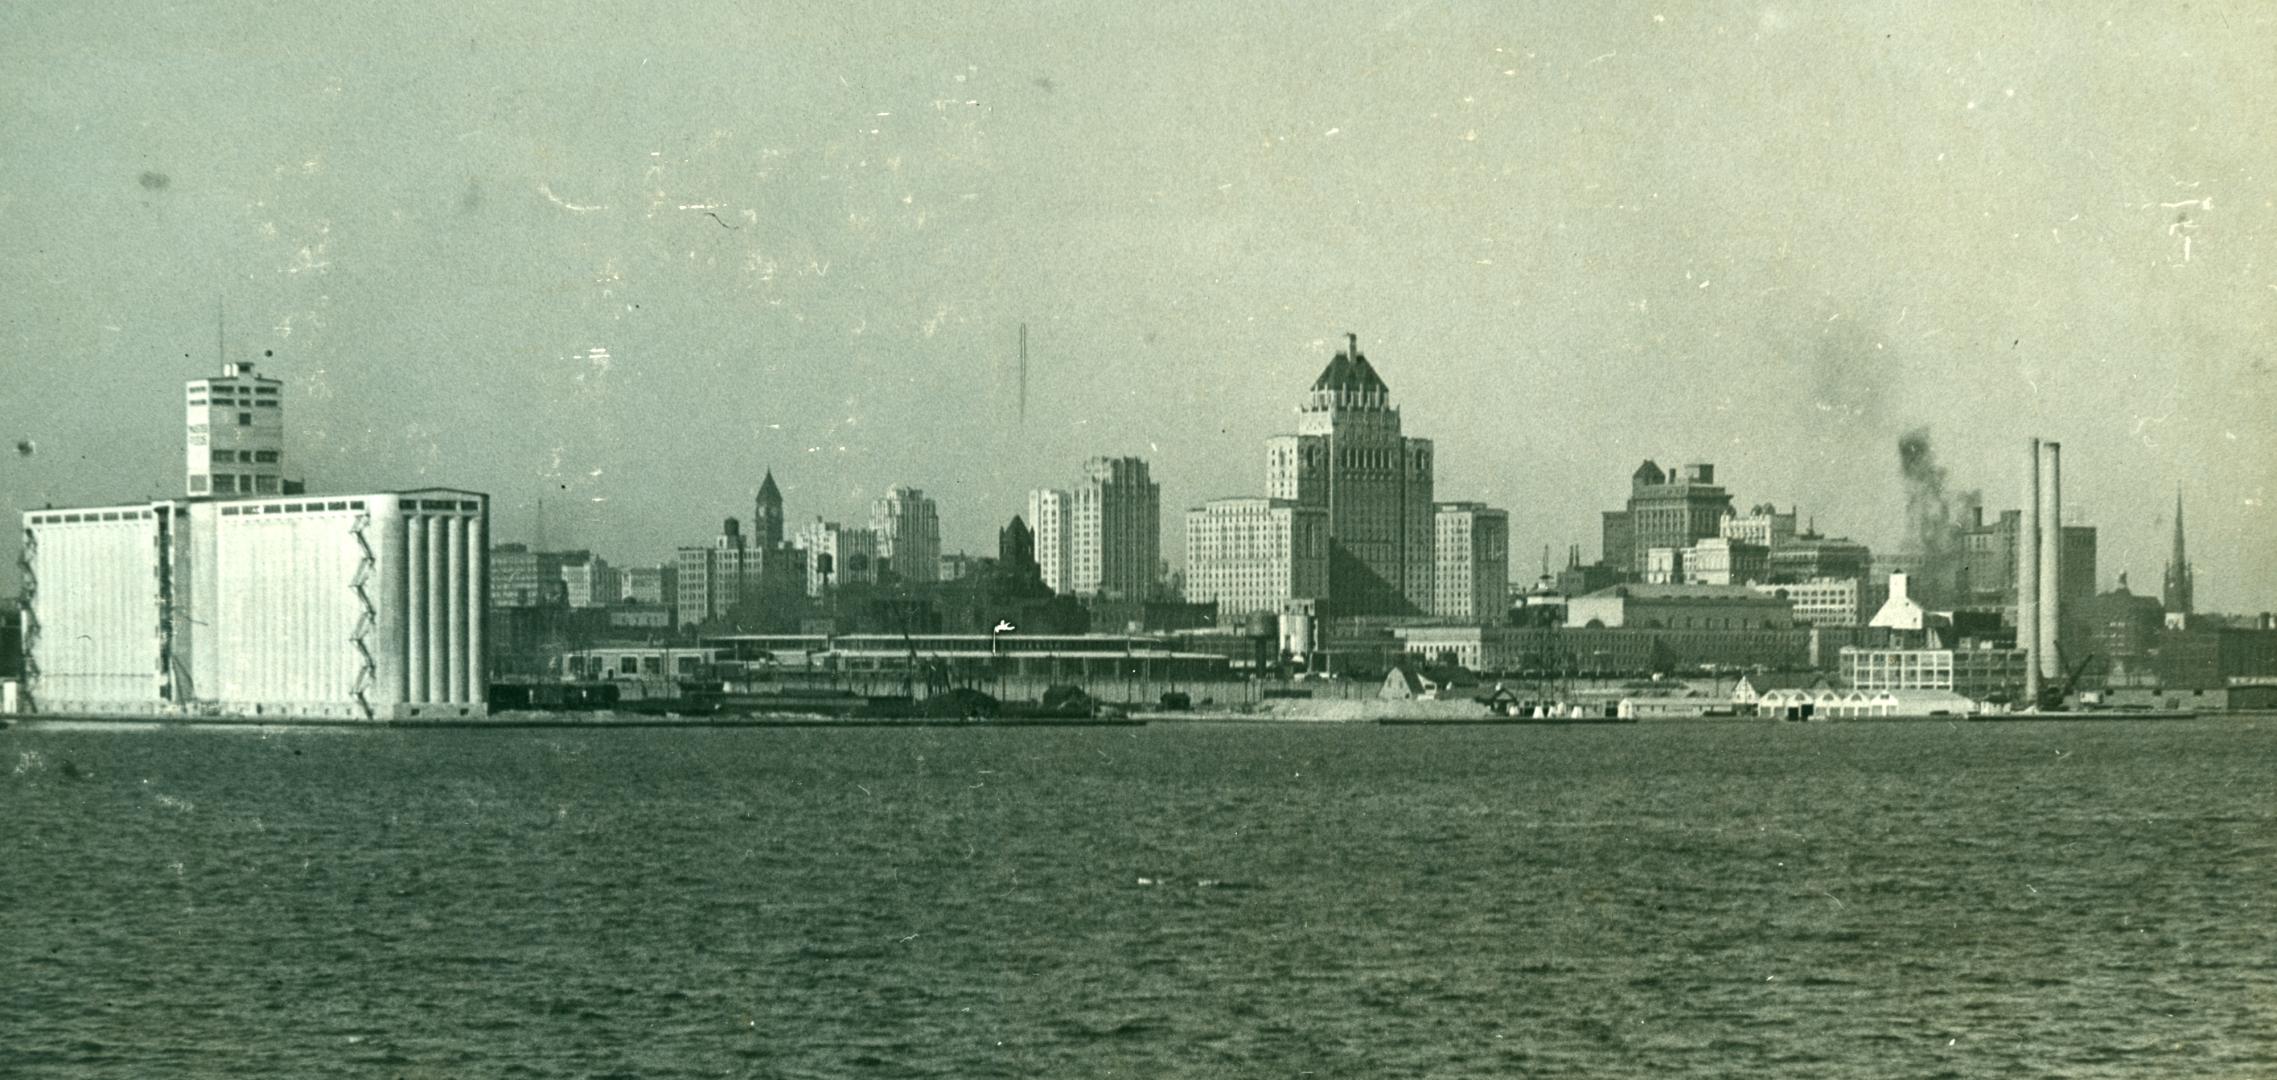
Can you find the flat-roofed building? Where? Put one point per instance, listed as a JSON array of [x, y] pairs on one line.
[[1810, 555], [1049, 517], [1536, 652], [522, 578], [1763, 526], [235, 433], [908, 531], [1720, 560], [837, 555], [649, 584], [1977, 672], [1255, 554], [1829, 601], [588, 582], [733, 578], [1680, 607], [1472, 579], [362, 607], [1114, 536]]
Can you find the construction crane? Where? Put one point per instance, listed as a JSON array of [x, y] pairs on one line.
[[2052, 697]]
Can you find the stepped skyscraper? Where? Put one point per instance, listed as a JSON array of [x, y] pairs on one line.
[[1349, 458]]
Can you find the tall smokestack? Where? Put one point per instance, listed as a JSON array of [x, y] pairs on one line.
[[2028, 575], [2051, 556]]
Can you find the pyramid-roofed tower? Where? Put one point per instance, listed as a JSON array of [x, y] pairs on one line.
[[1349, 457]]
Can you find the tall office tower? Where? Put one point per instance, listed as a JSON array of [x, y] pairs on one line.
[[909, 534], [1349, 457], [1249, 554], [1666, 510], [1048, 516], [767, 514], [837, 555], [1472, 579], [2181, 580], [236, 433], [1114, 534]]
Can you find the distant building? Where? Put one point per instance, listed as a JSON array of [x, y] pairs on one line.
[[1680, 607], [1988, 562], [236, 434], [1114, 535], [2122, 633], [2201, 654], [1251, 554], [957, 565], [641, 617], [1829, 601], [1764, 526], [2076, 576], [1809, 555], [1537, 652], [732, 578], [1987, 577], [1349, 458], [588, 582], [837, 555], [522, 578], [1578, 579], [1472, 579], [1049, 516], [1719, 560], [1664, 566], [908, 532], [649, 584], [1665, 510]]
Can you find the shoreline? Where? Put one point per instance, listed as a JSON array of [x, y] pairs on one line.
[[559, 721]]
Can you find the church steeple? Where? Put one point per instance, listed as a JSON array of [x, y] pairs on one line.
[[2179, 576]]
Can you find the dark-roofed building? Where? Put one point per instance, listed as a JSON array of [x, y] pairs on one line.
[[1349, 458], [767, 525]]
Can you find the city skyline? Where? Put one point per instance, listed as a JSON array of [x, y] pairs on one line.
[[1573, 240]]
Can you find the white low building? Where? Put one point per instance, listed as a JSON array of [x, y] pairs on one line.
[[356, 607]]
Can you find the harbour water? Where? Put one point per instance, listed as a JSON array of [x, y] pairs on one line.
[[1709, 899]]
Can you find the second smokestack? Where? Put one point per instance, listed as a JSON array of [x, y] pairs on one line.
[[2051, 558], [2028, 574]]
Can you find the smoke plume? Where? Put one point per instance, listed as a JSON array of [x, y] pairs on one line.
[[1935, 518]]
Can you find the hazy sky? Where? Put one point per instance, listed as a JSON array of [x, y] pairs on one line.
[[629, 259]]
